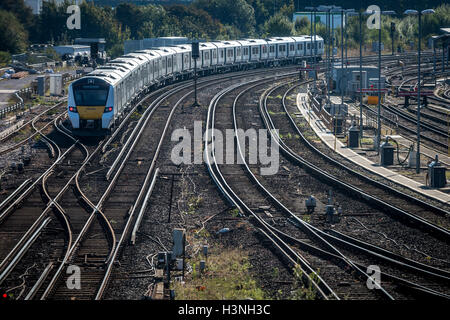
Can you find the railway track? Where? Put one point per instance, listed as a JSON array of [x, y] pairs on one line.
[[74, 236], [230, 183], [97, 255], [313, 162]]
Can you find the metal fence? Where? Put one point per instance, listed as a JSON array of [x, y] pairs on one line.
[[26, 93]]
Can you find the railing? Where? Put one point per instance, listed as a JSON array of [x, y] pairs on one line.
[[336, 124], [26, 92]]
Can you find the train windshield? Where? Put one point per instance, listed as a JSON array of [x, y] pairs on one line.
[[90, 95]]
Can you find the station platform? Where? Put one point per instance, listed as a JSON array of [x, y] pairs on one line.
[[329, 140], [424, 150]]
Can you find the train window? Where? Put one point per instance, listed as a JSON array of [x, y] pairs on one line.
[[264, 49], [282, 48], [292, 47], [308, 46], [206, 55], [214, 55], [169, 62], [271, 49], [86, 96], [221, 53], [238, 51], [245, 51]]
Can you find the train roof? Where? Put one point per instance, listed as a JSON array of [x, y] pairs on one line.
[[281, 40], [206, 45], [254, 41], [226, 44]]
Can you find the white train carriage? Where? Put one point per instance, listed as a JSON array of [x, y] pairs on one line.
[[120, 94], [245, 50], [130, 81], [300, 46], [140, 72], [186, 60], [320, 47], [281, 47], [208, 56], [234, 49], [92, 102], [100, 99], [177, 60], [166, 65], [147, 67]]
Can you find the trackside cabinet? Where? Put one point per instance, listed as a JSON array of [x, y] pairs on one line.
[[386, 153], [353, 137], [436, 174]]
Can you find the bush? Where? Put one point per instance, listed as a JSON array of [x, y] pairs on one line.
[[5, 58]]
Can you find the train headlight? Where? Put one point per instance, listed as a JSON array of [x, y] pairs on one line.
[[108, 109], [73, 109]]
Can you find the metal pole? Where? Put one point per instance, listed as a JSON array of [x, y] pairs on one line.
[[342, 57], [418, 102], [315, 51], [332, 43], [434, 61], [360, 79], [329, 55], [195, 82], [311, 52], [346, 42], [379, 90], [443, 56]]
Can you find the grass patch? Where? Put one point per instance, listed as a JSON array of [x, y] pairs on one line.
[[367, 141], [52, 112], [226, 276], [194, 203]]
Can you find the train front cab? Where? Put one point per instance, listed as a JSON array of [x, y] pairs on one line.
[[91, 106]]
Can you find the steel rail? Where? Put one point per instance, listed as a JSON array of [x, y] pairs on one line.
[[236, 201], [416, 266]]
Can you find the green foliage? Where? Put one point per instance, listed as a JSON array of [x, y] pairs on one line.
[[201, 19], [237, 13], [13, 37], [278, 26], [227, 276], [5, 58]]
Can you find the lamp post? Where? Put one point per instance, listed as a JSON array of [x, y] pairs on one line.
[[313, 58], [419, 15], [327, 10], [378, 136], [361, 126]]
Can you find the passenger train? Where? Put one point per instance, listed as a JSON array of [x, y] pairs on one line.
[[99, 100]]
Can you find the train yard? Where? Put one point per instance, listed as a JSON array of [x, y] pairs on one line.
[[318, 227]]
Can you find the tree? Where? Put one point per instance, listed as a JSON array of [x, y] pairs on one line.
[[237, 13], [13, 37], [278, 26]]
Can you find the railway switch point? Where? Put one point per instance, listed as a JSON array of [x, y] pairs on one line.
[[436, 174], [331, 214], [310, 204], [202, 266], [386, 153]]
